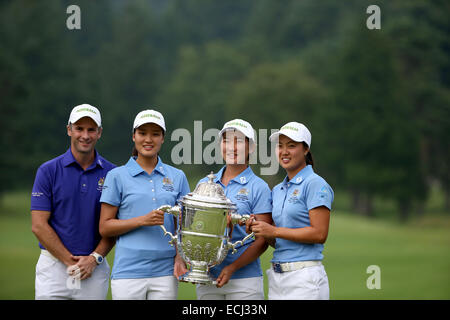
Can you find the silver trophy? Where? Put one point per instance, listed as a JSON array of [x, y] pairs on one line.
[[202, 235]]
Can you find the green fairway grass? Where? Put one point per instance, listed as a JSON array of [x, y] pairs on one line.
[[414, 258]]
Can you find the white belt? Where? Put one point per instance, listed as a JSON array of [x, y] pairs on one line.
[[48, 254], [291, 266]]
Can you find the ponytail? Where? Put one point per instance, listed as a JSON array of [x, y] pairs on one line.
[[308, 158]]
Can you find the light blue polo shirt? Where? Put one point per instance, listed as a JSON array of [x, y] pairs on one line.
[[143, 252], [251, 194], [292, 201]]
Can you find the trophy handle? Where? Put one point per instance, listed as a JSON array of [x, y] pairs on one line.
[[240, 242], [235, 219], [175, 210], [173, 239], [239, 218]]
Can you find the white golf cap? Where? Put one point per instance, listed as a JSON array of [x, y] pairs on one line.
[[149, 116], [242, 126], [294, 130], [85, 110]]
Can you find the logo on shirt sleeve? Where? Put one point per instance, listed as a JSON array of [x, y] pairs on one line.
[[323, 193], [37, 194]]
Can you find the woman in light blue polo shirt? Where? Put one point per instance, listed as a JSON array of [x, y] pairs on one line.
[[145, 265], [301, 214], [239, 276]]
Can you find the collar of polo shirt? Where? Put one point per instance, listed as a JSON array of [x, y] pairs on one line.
[[134, 168], [300, 176], [68, 159], [241, 178]]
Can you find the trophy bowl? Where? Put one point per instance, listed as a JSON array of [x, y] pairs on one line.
[[202, 236]]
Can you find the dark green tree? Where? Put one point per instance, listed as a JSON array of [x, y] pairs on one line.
[[376, 137]]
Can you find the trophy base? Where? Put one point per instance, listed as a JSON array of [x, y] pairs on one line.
[[198, 277]]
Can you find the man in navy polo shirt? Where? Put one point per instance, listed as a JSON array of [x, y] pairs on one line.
[[65, 215]]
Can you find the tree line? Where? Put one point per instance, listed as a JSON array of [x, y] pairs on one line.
[[376, 101]]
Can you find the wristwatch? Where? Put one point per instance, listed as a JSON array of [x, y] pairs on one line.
[[98, 258]]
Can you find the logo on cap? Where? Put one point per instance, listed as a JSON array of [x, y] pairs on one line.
[[289, 128], [86, 109], [236, 123], [150, 115]]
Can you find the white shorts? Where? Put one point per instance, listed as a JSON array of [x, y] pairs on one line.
[[235, 289], [310, 283], [53, 282], [158, 288]]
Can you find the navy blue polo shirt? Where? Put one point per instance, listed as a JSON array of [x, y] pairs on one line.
[[72, 196]]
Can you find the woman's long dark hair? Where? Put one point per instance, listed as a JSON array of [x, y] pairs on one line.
[[308, 157], [134, 152]]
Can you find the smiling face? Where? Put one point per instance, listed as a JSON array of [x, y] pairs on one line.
[[84, 135], [291, 155], [148, 140], [235, 147]]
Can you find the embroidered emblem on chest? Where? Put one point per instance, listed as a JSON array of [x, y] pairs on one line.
[[242, 194], [168, 184], [294, 198], [100, 184]]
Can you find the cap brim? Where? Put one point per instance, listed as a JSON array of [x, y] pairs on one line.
[[221, 132], [277, 134], [76, 118], [234, 128], [140, 124], [274, 136]]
